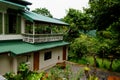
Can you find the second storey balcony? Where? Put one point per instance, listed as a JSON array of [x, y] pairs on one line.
[[39, 38], [41, 32], [39, 28]]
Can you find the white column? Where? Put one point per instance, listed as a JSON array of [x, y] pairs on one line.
[[3, 23], [15, 65], [33, 31], [33, 28], [22, 25]]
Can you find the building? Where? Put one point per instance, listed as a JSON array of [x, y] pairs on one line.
[[28, 37]]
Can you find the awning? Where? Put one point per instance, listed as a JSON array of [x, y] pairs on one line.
[[20, 47], [31, 16], [11, 3]]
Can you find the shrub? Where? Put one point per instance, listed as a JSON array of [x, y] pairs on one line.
[[9, 76], [23, 70], [34, 76]]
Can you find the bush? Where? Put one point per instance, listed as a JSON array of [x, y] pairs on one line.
[[23, 70], [34, 76], [117, 69], [9, 76], [83, 61]]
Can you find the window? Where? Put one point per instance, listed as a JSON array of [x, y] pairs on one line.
[[12, 22], [47, 55]]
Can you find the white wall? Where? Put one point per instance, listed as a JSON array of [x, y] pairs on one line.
[[10, 37], [5, 64], [66, 52], [55, 53], [23, 58]]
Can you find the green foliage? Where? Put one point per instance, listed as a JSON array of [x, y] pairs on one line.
[[9, 76], [103, 49], [104, 12], [105, 65], [83, 45], [23, 70], [43, 11], [83, 61], [116, 67], [79, 47], [34, 76], [58, 74], [24, 74], [106, 18], [23, 67], [78, 22]]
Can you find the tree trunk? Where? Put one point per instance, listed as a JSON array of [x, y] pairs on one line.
[[103, 58], [111, 62], [95, 61], [102, 61]]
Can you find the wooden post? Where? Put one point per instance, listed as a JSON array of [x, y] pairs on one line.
[[64, 53]]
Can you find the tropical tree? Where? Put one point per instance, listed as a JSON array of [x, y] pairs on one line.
[[79, 22], [105, 15], [84, 46], [104, 12], [43, 11], [79, 48]]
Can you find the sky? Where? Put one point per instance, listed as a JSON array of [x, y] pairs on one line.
[[58, 8]]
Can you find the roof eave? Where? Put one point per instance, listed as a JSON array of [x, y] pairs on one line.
[[51, 23], [11, 3], [40, 49]]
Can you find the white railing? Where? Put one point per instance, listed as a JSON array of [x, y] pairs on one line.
[[39, 38]]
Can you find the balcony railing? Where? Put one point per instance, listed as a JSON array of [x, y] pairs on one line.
[[39, 38]]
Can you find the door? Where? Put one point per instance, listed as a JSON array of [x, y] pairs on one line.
[[36, 61], [64, 52]]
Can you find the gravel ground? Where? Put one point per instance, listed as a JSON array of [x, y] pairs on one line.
[[101, 74]]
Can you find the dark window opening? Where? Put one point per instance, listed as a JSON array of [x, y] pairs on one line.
[[27, 57], [0, 23], [12, 23], [47, 55], [58, 57]]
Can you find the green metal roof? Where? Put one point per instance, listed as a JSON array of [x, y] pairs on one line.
[[38, 17], [20, 47], [21, 2], [11, 3]]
